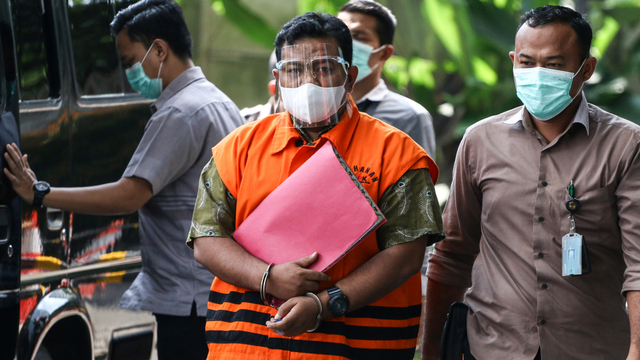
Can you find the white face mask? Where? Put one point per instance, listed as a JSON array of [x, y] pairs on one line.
[[311, 103]]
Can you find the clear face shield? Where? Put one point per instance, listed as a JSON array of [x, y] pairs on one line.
[[312, 79]]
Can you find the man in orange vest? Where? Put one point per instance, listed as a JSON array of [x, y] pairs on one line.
[[367, 305]]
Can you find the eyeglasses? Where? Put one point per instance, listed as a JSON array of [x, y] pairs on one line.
[[326, 70]]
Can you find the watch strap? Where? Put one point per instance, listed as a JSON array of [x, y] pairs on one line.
[[336, 297], [38, 195]]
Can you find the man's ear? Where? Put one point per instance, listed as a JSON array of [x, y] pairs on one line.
[[589, 68], [387, 52], [161, 48]]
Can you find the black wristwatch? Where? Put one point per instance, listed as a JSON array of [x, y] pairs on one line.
[[338, 303], [40, 189]]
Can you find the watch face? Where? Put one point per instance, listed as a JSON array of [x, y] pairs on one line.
[[340, 306], [42, 186]]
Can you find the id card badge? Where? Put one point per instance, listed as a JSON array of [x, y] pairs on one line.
[[572, 254]]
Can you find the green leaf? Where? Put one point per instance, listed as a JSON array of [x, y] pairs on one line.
[[218, 7], [321, 6], [483, 72], [421, 72], [396, 70], [500, 34], [625, 13], [604, 36], [251, 25], [442, 17]]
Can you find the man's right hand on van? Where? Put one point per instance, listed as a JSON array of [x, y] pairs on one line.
[[19, 173]]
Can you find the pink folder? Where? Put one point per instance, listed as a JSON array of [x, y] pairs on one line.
[[320, 208]]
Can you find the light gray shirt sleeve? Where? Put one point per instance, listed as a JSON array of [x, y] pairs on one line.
[[170, 145], [420, 129], [406, 115]]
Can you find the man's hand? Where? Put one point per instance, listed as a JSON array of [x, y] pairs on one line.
[[298, 315], [19, 173], [294, 279]]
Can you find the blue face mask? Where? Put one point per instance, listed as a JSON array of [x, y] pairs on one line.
[[361, 54], [140, 82], [545, 92]]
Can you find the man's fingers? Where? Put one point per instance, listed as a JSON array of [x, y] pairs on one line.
[[9, 175], [316, 275], [284, 309], [10, 163], [312, 286], [14, 152], [307, 260], [279, 322], [13, 156]]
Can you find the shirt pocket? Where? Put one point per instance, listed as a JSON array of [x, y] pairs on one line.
[[597, 218]]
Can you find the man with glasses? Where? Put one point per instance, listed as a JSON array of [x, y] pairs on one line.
[[537, 190], [368, 304]]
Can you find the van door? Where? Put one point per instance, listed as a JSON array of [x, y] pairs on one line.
[[108, 120], [9, 204], [44, 127]]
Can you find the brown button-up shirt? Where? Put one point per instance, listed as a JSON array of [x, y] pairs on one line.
[[505, 220]]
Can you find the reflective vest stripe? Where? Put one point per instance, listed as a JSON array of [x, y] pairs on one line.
[[294, 345]]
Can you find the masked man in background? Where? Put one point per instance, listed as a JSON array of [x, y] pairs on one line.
[[368, 303], [537, 190], [160, 182], [372, 27]]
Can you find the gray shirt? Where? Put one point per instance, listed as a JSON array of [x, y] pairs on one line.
[[401, 112], [189, 118]]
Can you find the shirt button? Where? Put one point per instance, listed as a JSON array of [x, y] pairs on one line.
[[545, 286], [543, 321], [541, 219], [544, 183], [540, 255]]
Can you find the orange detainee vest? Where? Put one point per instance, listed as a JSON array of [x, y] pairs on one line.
[[252, 161]]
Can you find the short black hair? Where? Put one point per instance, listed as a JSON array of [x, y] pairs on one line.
[[148, 20], [315, 26], [385, 20], [550, 14]]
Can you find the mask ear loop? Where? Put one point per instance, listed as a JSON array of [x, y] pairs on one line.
[[145, 55], [375, 51], [346, 98], [581, 85]]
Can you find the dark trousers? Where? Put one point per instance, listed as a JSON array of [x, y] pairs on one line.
[[182, 337]]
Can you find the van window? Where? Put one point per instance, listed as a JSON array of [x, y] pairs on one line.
[[94, 50], [36, 51], [98, 69]]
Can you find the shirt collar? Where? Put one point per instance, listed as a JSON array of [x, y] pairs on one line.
[[340, 135], [581, 116], [377, 93], [187, 77]]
